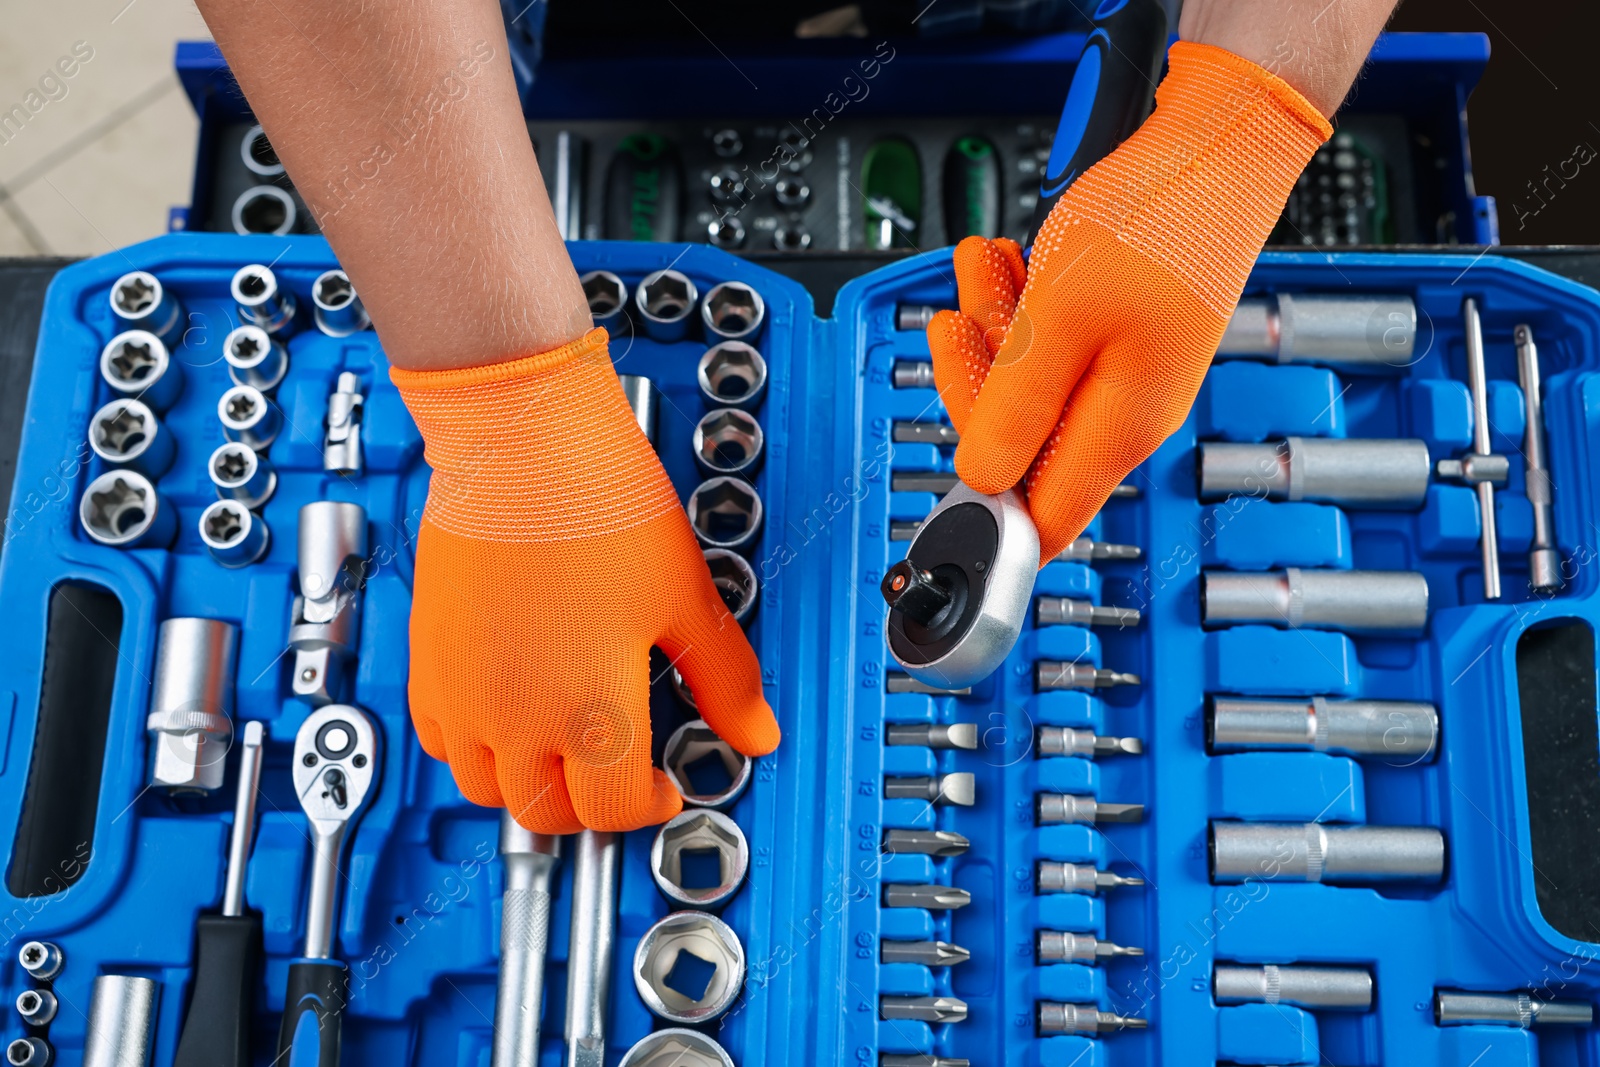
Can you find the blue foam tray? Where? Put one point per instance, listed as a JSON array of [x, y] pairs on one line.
[[420, 927]]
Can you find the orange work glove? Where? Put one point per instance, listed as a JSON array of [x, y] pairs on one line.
[[553, 553], [1074, 369]]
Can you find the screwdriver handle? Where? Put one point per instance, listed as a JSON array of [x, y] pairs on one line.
[[216, 1032], [313, 1013]]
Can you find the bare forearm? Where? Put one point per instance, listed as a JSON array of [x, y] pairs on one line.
[[1317, 46], [399, 124]]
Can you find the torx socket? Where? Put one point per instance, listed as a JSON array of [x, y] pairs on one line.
[[1400, 729], [736, 583], [900, 682], [336, 308], [139, 301], [927, 953], [924, 843], [699, 859], [912, 374], [36, 1006], [959, 788], [1316, 988], [732, 374], [264, 209], [914, 316], [666, 300], [1318, 852], [707, 939], [1544, 560], [1064, 611], [733, 311], [963, 735], [1364, 603], [31, 1052], [341, 438], [255, 358], [41, 960], [728, 441], [233, 534], [675, 1047], [1370, 333], [248, 417], [1057, 1018], [1084, 550], [1057, 674], [1060, 946], [1355, 473], [262, 301], [126, 433], [1067, 741], [608, 300], [931, 897], [120, 1030], [935, 1011], [907, 431], [239, 473], [725, 513], [1521, 1010], [122, 509], [191, 704], [1066, 808], [137, 366], [1054, 876]]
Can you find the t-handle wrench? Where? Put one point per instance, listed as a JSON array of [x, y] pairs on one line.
[[335, 759]]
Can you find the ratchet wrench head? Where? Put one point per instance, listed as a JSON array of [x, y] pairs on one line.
[[335, 756]]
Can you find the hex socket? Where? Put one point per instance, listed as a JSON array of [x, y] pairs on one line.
[[140, 302], [666, 301], [708, 939], [1369, 603], [264, 209], [732, 374], [725, 513], [335, 306], [233, 534], [137, 365], [705, 769], [1317, 988], [254, 358], [122, 509], [1521, 1010], [728, 441], [1357, 473], [1317, 852], [240, 473], [1372, 333], [1398, 728], [126, 433], [736, 583], [29, 1052], [683, 849], [733, 311], [261, 300], [248, 417], [36, 1006], [676, 1047], [608, 299]]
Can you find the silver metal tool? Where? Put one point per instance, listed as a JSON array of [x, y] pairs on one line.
[[791, 193], [733, 311], [1481, 468], [255, 358], [1060, 946], [728, 442], [935, 1011], [643, 400], [924, 842], [896, 682], [1059, 674], [29, 1052], [325, 620], [931, 897], [727, 188], [596, 860], [727, 143], [1522, 1010], [666, 300], [1058, 1018], [685, 846], [137, 365], [1544, 559], [1351, 472], [262, 301], [921, 482], [608, 300], [732, 374], [191, 704], [126, 433], [244, 819], [1066, 741], [725, 512], [791, 239], [726, 232], [912, 374], [258, 154], [906, 431], [920, 1059], [1374, 603], [914, 316], [341, 442], [36, 1006], [139, 301], [1064, 611], [959, 788], [248, 417], [736, 583], [1317, 988], [336, 307], [240, 473], [264, 209], [121, 1028], [1398, 728], [41, 960], [122, 509], [233, 534], [567, 197], [927, 953], [1372, 333], [1086, 550], [1320, 852], [676, 1047], [1067, 808], [1053, 876], [703, 937], [705, 769], [963, 735], [530, 861]]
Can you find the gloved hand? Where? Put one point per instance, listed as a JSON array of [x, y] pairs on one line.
[[553, 553], [1074, 369]]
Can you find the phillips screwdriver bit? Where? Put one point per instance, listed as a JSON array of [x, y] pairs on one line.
[[935, 1010], [1059, 674], [921, 1059], [927, 953], [934, 433], [1066, 741], [900, 682], [1057, 1018], [1064, 807], [1083, 550], [959, 788], [1059, 946], [951, 735], [932, 897], [1064, 611], [1052, 876], [925, 842]]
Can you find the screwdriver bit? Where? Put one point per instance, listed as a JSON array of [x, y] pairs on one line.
[[913, 374], [920, 1059], [1083, 550], [900, 682], [951, 735], [914, 316], [927, 953], [1057, 1018], [1059, 946], [934, 433], [959, 788], [1058, 674], [940, 482], [925, 842], [1066, 741], [1052, 876], [935, 1010], [932, 897], [1125, 491], [1064, 807], [1064, 611]]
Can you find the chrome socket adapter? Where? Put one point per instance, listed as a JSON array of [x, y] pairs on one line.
[[233, 534], [248, 417], [736, 582], [699, 859], [728, 441], [191, 704], [140, 302], [122, 509], [1400, 729], [708, 939], [137, 366], [1369, 333], [341, 442], [725, 513], [126, 433], [1318, 852], [255, 359], [709, 772], [335, 307], [1316, 988], [262, 301], [1371, 603], [264, 209], [325, 621], [732, 374], [1350, 472], [733, 311], [240, 473], [608, 300], [666, 300]]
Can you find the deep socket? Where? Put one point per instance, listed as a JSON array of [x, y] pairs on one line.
[[336, 308], [736, 582], [262, 301], [233, 534], [732, 374], [1054, 876], [914, 316], [959, 788], [1544, 559], [1057, 1018], [963, 735], [341, 440], [254, 358], [1364, 603], [1066, 741], [1400, 729], [733, 311], [1066, 808], [126, 433], [1521, 1010], [1316, 988], [137, 365], [1318, 852], [1060, 946], [912, 374], [1057, 674], [1064, 611], [264, 209], [728, 441], [139, 301], [608, 300], [725, 513], [666, 301], [1350, 472], [122, 509], [248, 417], [191, 704], [1371, 333], [258, 154], [240, 473]]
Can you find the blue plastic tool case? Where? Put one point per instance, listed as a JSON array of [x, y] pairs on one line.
[[420, 918]]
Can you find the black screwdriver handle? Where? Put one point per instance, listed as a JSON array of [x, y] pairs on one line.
[[1112, 91], [313, 1014], [216, 1032]]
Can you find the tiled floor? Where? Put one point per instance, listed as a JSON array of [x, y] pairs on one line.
[[92, 161]]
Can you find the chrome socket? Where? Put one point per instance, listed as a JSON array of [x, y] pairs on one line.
[[1356, 473], [248, 417], [122, 1020], [259, 156], [709, 772], [726, 232], [325, 620], [791, 193], [1373, 603], [140, 302], [733, 311], [191, 704], [36, 1006], [666, 301], [1371, 333], [137, 365], [341, 442], [122, 509], [725, 513], [261, 300], [29, 1052], [706, 938], [1316, 988], [728, 441], [608, 300], [1397, 728], [42, 960], [727, 187], [1315, 852], [727, 143], [233, 534], [791, 239], [912, 374], [643, 399], [699, 859], [736, 583], [240, 474], [335, 307], [264, 209], [126, 433], [675, 1047], [732, 374], [1521, 1010], [255, 359]]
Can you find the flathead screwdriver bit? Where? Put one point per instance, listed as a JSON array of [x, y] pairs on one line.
[[937, 735], [934, 1010], [959, 788], [1051, 876], [920, 1059], [1086, 550], [932, 897], [1064, 611], [1058, 674], [925, 842], [1055, 1018], [1059, 946], [1066, 741], [927, 953], [1064, 807]]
